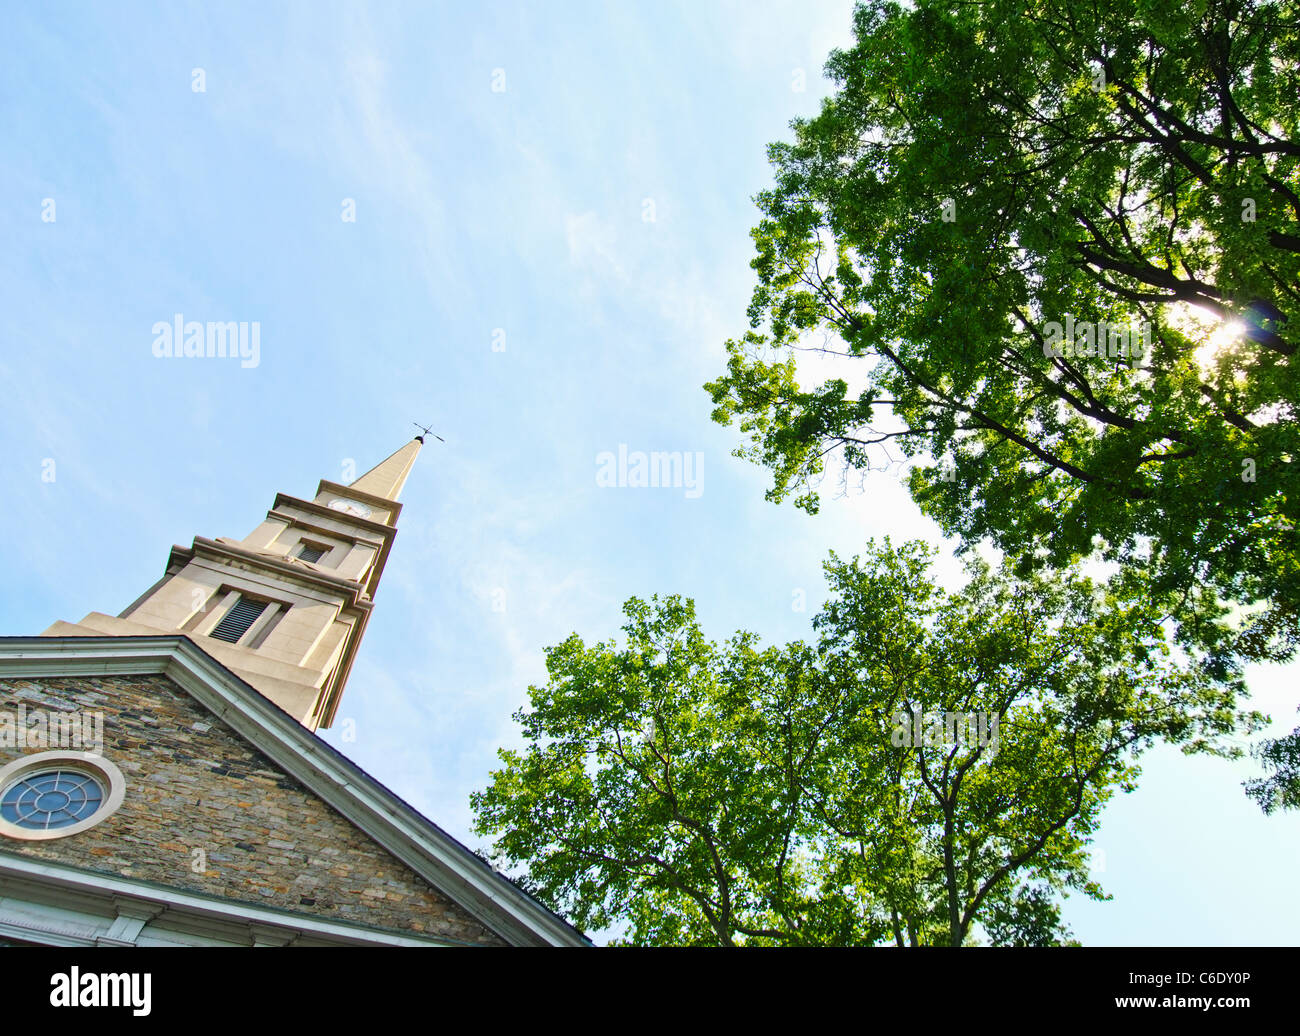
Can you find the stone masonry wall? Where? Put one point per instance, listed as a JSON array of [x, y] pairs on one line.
[[193, 784]]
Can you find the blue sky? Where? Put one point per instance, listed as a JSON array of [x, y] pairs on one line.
[[591, 219]]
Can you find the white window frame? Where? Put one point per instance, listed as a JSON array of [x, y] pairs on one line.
[[92, 763]]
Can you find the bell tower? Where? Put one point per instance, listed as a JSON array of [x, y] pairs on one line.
[[285, 607]]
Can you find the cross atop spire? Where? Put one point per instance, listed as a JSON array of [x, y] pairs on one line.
[[427, 430]]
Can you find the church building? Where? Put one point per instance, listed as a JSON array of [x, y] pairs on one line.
[[162, 782]]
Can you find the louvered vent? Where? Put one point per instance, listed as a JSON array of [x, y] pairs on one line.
[[310, 553], [234, 624]]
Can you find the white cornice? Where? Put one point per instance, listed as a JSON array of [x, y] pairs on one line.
[[41, 886], [350, 589], [385, 530], [424, 847], [381, 503]]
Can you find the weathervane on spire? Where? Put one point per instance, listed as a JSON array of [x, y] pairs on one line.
[[425, 431]]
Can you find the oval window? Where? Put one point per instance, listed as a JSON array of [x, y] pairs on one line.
[[54, 794]]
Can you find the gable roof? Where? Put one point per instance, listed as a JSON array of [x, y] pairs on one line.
[[392, 822]]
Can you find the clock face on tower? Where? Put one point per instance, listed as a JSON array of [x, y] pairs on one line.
[[352, 507]]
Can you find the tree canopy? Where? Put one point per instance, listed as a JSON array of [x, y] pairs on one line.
[[990, 177], [934, 761]]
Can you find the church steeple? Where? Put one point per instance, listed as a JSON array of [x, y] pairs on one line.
[[286, 606], [387, 478]]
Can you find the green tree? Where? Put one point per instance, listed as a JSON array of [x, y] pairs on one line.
[[1281, 789], [699, 794], [986, 175], [1032, 917]]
